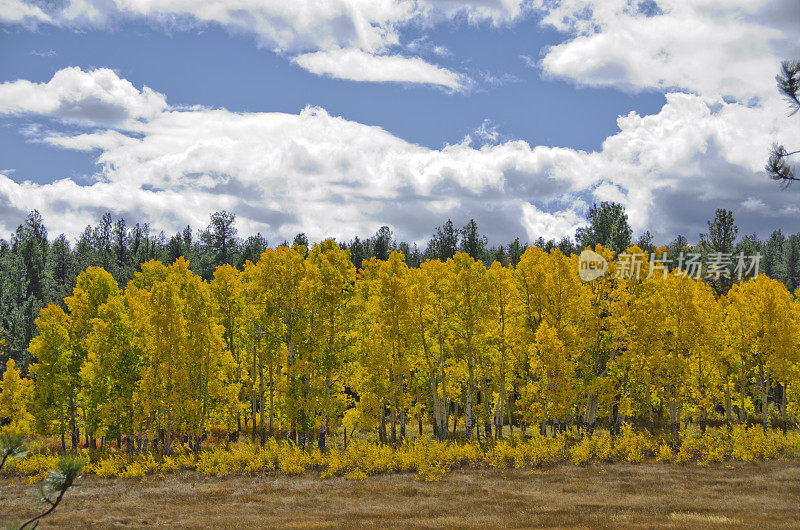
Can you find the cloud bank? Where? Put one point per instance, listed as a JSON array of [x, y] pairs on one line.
[[711, 47], [328, 176], [361, 33]]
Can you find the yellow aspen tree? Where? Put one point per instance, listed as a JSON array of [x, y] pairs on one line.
[[630, 304], [111, 373], [672, 367], [15, 396], [160, 332], [188, 374], [550, 393], [469, 330], [787, 363], [599, 345], [421, 345], [742, 333], [778, 344], [330, 277], [774, 330], [431, 310], [502, 335], [281, 280], [442, 277], [211, 369], [635, 323], [51, 350], [226, 289], [371, 379], [92, 288], [549, 290], [708, 360], [763, 333], [390, 301], [264, 338], [529, 278]]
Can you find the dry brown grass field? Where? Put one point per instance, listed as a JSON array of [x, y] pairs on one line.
[[650, 495]]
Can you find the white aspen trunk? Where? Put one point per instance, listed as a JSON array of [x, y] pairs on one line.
[[168, 434], [393, 411], [765, 384], [742, 411], [590, 413], [261, 413], [271, 401], [254, 395], [323, 429], [468, 407], [436, 406], [510, 419], [445, 405], [63, 440], [498, 415], [728, 410], [783, 406]]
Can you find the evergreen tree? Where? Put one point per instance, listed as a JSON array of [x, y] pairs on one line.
[[608, 226], [61, 264], [220, 240], [101, 236], [515, 251], [382, 243], [357, 253], [645, 241], [300, 239], [674, 249], [721, 240], [174, 249], [472, 242], [252, 249], [778, 166], [773, 262], [412, 254], [566, 247], [792, 260], [444, 243]]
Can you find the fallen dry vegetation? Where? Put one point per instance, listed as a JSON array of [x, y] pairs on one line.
[[762, 494]]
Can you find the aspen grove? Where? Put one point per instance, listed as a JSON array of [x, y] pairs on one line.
[[301, 345]]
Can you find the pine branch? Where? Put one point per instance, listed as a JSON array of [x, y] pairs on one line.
[[789, 83]]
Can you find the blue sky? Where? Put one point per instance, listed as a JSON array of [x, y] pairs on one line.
[[537, 89]]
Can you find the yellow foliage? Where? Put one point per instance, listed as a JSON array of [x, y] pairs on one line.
[[36, 465], [140, 467], [665, 454], [178, 461], [632, 445], [597, 447], [15, 393], [110, 466], [431, 459]]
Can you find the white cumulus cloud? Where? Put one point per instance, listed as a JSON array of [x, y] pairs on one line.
[[98, 97], [711, 47], [358, 65], [18, 12]]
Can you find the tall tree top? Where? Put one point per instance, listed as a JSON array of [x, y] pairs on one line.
[[608, 226]]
